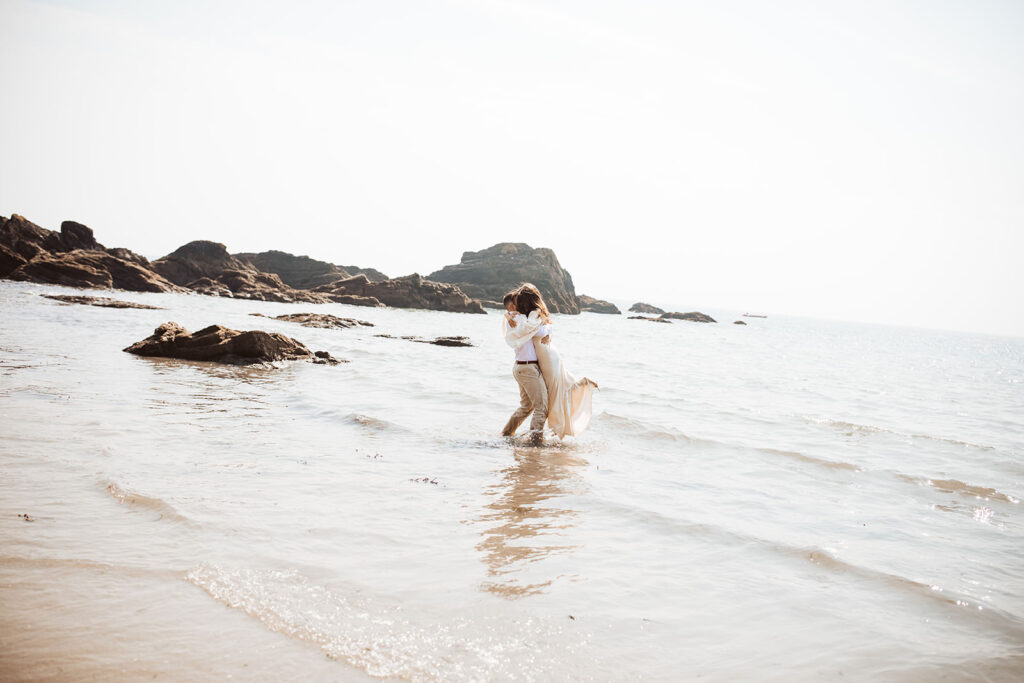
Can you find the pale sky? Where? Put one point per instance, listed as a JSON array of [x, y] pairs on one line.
[[853, 160]]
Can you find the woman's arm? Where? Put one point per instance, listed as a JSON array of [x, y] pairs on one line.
[[523, 331]]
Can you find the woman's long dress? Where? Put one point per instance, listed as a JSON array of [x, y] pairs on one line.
[[569, 398]]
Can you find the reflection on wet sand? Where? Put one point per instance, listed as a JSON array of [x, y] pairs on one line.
[[518, 522]]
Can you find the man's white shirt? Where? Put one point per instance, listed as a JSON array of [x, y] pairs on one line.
[[523, 345]]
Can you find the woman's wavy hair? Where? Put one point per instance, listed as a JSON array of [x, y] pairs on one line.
[[528, 299]]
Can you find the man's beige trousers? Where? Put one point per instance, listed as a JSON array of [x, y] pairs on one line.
[[533, 397]]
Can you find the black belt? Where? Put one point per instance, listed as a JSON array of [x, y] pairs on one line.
[[527, 362]]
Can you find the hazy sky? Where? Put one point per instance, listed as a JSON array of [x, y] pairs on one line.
[[856, 160]]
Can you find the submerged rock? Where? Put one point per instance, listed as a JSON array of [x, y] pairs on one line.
[[490, 273], [319, 320], [692, 316], [641, 307], [102, 301], [222, 345], [653, 320], [592, 305], [410, 291], [437, 341]]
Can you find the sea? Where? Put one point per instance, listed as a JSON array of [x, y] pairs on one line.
[[786, 500]]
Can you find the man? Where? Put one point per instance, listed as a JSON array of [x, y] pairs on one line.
[[520, 332]]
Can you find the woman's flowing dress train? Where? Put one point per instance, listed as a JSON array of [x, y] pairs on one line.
[[569, 398]]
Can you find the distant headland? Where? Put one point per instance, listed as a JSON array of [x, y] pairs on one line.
[[73, 257]]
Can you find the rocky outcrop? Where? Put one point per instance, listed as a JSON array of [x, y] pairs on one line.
[[255, 285], [301, 272], [102, 301], [372, 274], [321, 320], [94, 269], [411, 291], [692, 316], [592, 305], [738, 322], [641, 307], [222, 345], [71, 257], [21, 240], [197, 260], [653, 320], [490, 273]]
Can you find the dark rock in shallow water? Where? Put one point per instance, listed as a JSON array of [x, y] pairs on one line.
[[641, 307], [94, 269], [320, 320], [446, 341], [653, 320], [738, 322], [692, 316], [410, 291], [101, 301], [490, 273], [222, 345], [437, 341], [592, 305]]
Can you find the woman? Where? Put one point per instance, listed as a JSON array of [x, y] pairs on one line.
[[569, 398]]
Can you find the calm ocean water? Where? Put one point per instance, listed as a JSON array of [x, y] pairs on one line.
[[790, 500]]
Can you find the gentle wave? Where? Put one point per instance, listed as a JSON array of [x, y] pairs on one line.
[[852, 427], [166, 510], [819, 557], [382, 640], [29, 563]]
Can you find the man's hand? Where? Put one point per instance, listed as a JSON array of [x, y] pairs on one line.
[[546, 339], [511, 317]]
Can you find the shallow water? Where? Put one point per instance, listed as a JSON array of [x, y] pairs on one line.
[[790, 500]]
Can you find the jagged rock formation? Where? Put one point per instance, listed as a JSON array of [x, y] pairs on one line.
[[641, 307], [196, 260], [372, 274], [101, 301], [589, 303], [222, 345], [207, 268], [490, 273], [301, 272], [95, 269], [321, 320], [692, 316], [71, 257], [410, 291]]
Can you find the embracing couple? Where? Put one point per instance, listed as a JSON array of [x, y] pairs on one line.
[[546, 388]]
